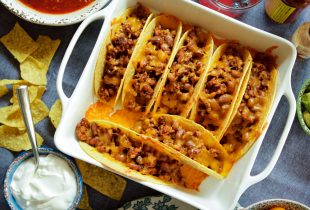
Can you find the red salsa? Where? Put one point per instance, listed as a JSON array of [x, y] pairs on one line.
[[56, 6]]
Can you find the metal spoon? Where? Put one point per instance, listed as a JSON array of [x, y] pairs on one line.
[[23, 100]]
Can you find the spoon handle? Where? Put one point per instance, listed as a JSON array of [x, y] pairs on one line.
[[23, 100]]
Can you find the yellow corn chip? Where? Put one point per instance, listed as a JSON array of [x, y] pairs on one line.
[[33, 92], [33, 71], [35, 67], [84, 203], [11, 115], [46, 50], [3, 90], [55, 113], [15, 139], [11, 82], [101, 180], [19, 43]]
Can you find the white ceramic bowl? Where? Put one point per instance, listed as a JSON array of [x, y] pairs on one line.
[[213, 194], [34, 16]]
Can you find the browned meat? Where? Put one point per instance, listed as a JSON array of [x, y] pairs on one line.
[[119, 51], [252, 106], [151, 67], [137, 155], [184, 73], [220, 89]]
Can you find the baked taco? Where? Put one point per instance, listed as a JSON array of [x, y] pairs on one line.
[[150, 66], [117, 50], [187, 139], [187, 73], [225, 82], [255, 106], [127, 153]]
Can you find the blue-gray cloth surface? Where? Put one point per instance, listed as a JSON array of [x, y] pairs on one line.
[[290, 178]]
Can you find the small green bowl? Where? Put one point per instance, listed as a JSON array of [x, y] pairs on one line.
[[299, 112]]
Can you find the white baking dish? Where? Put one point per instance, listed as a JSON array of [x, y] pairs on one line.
[[213, 194]]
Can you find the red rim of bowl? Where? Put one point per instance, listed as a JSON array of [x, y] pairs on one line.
[[226, 7]]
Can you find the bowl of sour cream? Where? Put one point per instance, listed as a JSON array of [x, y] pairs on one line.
[[56, 185]]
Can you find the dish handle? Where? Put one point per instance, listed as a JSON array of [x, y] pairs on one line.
[[102, 14], [288, 93]]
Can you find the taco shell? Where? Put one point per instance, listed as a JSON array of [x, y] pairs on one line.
[[250, 119], [187, 73], [218, 100], [190, 141], [116, 165], [131, 95], [125, 18]]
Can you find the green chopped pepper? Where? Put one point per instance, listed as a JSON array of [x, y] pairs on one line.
[[305, 100], [306, 116]]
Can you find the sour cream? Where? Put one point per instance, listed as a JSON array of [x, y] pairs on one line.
[[52, 187]]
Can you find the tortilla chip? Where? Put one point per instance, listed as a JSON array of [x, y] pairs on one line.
[[101, 180], [84, 203], [33, 71], [33, 92], [15, 139], [19, 43], [55, 113], [12, 81], [3, 90], [35, 67], [45, 53], [11, 115]]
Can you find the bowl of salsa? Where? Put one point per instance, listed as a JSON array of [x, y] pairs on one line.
[[54, 12]]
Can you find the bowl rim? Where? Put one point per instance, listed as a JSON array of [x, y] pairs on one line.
[[227, 8], [275, 201], [43, 150], [31, 15], [301, 120]]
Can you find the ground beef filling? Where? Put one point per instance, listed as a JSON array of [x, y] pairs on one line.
[[150, 67], [222, 81], [135, 154], [119, 51], [187, 142], [184, 73], [252, 106]]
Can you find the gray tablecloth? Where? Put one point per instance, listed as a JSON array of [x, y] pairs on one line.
[[290, 178]]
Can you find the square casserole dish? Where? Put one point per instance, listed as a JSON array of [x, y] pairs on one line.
[[213, 193]]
